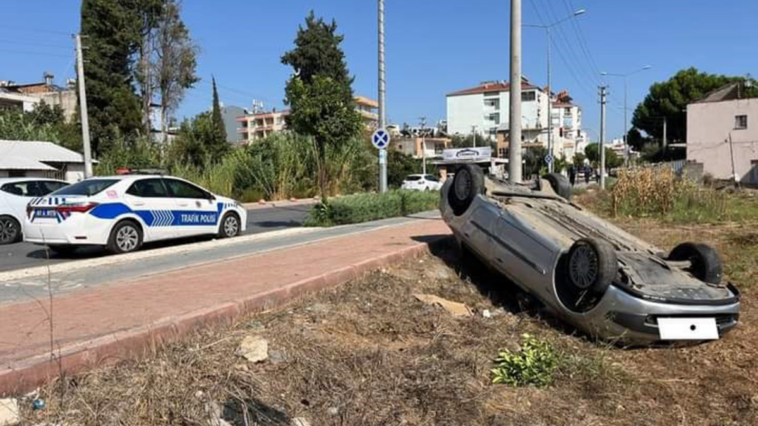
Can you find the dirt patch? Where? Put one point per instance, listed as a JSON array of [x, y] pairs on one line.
[[370, 353]]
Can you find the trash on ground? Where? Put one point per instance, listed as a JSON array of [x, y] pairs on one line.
[[9, 412], [454, 308], [254, 348]]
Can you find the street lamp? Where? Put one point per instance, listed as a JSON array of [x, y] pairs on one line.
[[547, 28], [624, 76]]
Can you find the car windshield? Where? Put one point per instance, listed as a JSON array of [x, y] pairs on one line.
[[86, 187], [413, 177]]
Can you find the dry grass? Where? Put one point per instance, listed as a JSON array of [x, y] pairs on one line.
[[369, 353]]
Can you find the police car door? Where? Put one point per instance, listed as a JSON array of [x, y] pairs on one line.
[[149, 199], [196, 212]]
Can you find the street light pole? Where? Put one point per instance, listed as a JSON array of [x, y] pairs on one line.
[[514, 132], [547, 28], [382, 93], [626, 121], [423, 146]]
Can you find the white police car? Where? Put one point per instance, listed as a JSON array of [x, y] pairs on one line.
[[121, 212]]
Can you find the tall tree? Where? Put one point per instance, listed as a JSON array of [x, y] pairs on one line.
[[175, 62], [612, 160], [111, 29], [218, 120], [668, 100], [320, 93], [150, 13]]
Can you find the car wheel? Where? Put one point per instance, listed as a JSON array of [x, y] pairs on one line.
[[126, 237], [705, 263], [230, 226], [560, 184], [10, 230], [62, 249], [592, 265], [467, 184]]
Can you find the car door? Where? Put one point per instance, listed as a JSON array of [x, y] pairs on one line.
[[518, 250], [196, 210], [150, 199]]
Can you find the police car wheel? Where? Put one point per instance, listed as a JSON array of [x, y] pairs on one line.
[[10, 231], [126, 237], [230, 226]]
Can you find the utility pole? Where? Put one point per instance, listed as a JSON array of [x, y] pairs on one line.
[[473, 132], [382, 107], [83, 105], [549, 107], [423, 146], [514, 153], [624, 76], [665, 139], [602, 136]]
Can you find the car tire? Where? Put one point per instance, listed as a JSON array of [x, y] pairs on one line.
[[705, 262], [230, 226], [126, 237], [560, 184], [10, 230], [468, 182], [592, 265], [63, 249]]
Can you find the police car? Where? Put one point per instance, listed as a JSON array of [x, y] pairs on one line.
[[122, 212]]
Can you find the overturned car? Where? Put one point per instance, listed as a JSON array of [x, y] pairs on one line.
[[586, 271]]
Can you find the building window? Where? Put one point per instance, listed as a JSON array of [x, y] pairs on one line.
[[528, 96], [740, 121]]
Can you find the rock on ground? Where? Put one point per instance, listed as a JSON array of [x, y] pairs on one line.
[[254, 348]]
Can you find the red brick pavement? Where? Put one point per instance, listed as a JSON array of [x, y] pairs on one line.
[[126, 318]]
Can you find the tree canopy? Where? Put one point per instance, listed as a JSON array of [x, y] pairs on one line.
[[669, 100], [612, 159], [319, 94]]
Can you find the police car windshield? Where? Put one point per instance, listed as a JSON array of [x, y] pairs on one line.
[[86, 187]]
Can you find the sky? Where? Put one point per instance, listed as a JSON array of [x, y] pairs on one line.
[[432, 47]]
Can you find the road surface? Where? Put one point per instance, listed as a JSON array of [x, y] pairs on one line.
[[23, 255]]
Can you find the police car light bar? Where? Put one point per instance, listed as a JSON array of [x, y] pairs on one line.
[[128, 171]]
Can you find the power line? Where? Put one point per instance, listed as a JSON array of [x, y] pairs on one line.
[[25, 52]]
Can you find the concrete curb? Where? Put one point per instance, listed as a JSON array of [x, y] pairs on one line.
[[23, 376], [281, 203]]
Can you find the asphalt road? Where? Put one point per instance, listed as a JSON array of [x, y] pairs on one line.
[[23, 255]]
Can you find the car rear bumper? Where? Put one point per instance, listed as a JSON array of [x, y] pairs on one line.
[[631, 320], [77, 229]]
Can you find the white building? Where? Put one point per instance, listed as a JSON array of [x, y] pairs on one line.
[[40, 159], [485, 109], [722, 134]]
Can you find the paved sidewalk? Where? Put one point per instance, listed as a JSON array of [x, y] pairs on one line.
[[129, 316]]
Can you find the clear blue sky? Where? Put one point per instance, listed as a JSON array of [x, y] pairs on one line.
[[432, 47]]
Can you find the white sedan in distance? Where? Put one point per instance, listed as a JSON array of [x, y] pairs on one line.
[[122, 212], [15, 194], [422, 183]]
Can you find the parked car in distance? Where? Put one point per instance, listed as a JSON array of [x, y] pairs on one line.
[[122, 212], [15, 194], [422, 183], [594, 275]]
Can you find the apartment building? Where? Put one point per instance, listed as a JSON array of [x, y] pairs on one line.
[[44, 91], [259, 125], [485, 110]]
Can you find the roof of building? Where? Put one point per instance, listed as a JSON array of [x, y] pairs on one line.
[[29, 155], [729, 92], [498, 86], [362, 100]]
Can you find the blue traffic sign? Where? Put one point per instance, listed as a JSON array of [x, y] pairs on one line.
[[380, 139], [548, 159]]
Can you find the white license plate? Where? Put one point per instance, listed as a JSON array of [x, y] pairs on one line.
[[688, 329]]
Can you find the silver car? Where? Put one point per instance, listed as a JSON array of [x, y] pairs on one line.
[[586, 271]]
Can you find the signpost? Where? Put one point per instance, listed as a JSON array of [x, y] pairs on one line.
[[380, 138], [549, 159]]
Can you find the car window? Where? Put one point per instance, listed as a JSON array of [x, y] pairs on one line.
[[431, 178], [46, 186], [148, 188], [86, 187], [181, 189], [413, 178], [17, 188]]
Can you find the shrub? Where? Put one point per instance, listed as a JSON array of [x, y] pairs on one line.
[[657, 192], [367, 207], [533, 365]]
